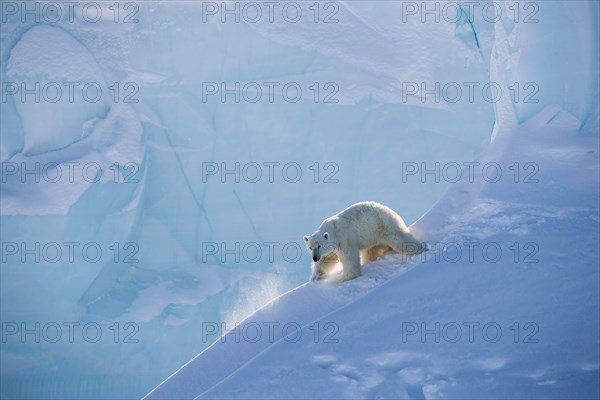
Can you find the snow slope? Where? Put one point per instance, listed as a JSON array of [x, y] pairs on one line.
[[505, 305], [550, 290]]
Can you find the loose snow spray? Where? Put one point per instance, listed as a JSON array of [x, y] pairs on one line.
[[251, 297]]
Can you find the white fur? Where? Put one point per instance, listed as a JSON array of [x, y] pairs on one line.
[[369, 229]]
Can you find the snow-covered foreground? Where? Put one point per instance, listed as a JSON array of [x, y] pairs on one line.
[[505, 305]]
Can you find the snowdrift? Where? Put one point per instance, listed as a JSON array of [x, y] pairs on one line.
[[462, 321]]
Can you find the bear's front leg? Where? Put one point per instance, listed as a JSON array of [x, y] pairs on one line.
[[316, 269], [350, 264], [322, 267]]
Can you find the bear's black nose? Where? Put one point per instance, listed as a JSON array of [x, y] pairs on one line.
[[315, 259]]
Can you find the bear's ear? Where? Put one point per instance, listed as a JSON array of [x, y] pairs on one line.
[[326, 235], [306, 239]]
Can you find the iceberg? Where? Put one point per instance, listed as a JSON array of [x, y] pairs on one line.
[[224, 132]]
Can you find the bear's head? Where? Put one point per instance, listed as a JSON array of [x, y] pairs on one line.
[[320, 245]]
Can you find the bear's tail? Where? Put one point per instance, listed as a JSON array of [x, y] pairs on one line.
[[411, 246]]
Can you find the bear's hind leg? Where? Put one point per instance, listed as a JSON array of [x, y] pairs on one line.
[[375, 252]]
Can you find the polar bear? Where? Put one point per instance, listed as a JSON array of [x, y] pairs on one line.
[[368, 230]]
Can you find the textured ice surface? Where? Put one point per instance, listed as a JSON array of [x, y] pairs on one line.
[[49, 57]]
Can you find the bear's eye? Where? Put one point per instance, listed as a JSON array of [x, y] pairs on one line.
[[319, 246], [310, 248]]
